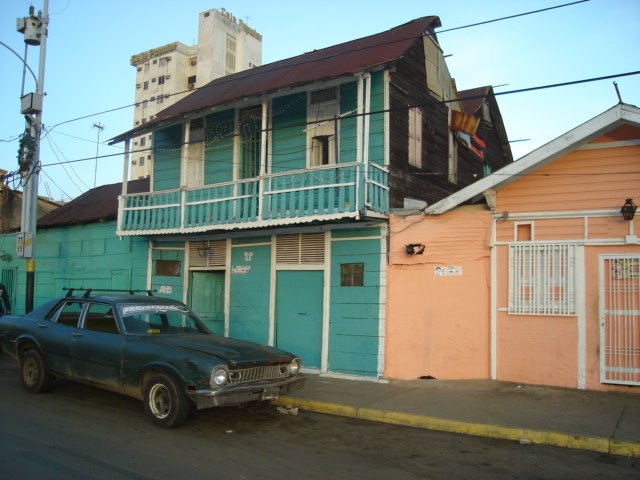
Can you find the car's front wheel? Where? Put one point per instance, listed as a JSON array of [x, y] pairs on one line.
[[33, 373], [165, 401]]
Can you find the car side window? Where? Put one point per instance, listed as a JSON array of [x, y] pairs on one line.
[[70, 313], [100, 318]]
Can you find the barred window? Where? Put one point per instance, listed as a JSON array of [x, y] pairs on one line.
[[542, 279]]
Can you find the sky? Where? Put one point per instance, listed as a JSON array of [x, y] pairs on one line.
[[87, 69]]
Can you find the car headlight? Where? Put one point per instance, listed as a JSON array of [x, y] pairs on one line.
[[294, 368], [219, 376]]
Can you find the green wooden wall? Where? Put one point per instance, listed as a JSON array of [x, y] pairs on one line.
[[289, 141], [174, 283], [167, 153], [218, 157], [354, 335], [250, 287]]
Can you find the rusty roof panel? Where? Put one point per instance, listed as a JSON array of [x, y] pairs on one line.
[[343, 59], [96, 205]]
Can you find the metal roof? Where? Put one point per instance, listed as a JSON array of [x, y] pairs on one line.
[[96, 205], [347, 58]]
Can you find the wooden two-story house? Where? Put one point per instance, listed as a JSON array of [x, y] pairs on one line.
[[271, 189]]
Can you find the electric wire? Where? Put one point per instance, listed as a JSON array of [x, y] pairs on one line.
[[249, 73]]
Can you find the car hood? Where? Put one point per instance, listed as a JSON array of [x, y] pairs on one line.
[[235, 352]]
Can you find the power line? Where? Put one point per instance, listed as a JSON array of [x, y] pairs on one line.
[[251, 72], [378, 112]]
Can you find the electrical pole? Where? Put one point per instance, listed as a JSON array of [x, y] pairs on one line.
[[34, 28], [100, 127]]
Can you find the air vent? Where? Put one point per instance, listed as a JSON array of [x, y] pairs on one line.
[[208, 253], [300, 249], [326, 95]]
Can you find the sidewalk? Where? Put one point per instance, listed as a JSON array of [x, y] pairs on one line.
[[596, 421]]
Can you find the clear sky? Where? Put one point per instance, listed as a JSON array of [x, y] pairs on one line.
[[90, 43]]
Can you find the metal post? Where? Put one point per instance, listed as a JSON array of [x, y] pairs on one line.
[[31, 172], [100, 127]]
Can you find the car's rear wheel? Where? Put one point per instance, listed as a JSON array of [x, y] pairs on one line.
[[33, 373], [165, 401]]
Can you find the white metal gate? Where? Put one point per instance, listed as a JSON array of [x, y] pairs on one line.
[[620, 319]]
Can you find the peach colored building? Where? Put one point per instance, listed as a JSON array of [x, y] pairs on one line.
[[542, 284]]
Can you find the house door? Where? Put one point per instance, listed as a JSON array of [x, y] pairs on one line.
[[620, 319], [298, 322], [207, 299]]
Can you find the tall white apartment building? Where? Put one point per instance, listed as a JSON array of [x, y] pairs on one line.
[[167, 74]]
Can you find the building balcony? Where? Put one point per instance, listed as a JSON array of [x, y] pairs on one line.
[[343, 191]]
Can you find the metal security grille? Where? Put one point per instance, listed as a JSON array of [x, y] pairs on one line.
[[266, 372], [542, 279], [620, 319], [9, 278]]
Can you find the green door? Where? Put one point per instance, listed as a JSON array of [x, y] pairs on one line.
[[298, 327], [207, 299]]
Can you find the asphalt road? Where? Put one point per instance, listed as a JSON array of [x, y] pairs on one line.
[[78, 432]]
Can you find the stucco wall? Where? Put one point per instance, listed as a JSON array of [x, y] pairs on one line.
[[438, 320]]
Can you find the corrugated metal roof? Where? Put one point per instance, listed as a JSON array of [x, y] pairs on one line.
[[473, 98], [347, 58], [96, 205]]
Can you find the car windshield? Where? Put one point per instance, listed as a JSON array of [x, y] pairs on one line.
[[159, 319]]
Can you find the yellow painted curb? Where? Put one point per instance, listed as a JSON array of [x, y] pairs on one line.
[[580, 442]]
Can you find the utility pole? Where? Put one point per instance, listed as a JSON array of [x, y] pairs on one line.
[[100, 127], [34, 28]]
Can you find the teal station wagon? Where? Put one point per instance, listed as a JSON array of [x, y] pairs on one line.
[[147, 347]]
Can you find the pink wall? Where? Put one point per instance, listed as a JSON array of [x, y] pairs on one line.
[[439, 325]]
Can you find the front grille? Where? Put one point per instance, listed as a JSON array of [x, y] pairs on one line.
[[254, 374]]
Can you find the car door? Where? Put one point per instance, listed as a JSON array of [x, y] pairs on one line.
[[96, 348], [55, 333]]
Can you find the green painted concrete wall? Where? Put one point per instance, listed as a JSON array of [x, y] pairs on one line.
[[89, 256]]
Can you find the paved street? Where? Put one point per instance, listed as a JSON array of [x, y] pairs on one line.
[[80, 432]]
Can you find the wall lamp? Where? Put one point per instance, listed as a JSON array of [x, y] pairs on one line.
[[628, 210], [414, 248]]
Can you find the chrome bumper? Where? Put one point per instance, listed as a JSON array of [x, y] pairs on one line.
[[255, 391]]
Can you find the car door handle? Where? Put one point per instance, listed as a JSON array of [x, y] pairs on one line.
[[76, 334], [43, 325]]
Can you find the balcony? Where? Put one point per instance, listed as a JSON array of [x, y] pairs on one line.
[[333, 192]]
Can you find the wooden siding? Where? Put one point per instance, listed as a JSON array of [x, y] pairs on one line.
[[218, 155], [174, 283], [430, 183], [167, 152], [354, 331], [250, 287], [288, 141], [348, 124], [592, 179]]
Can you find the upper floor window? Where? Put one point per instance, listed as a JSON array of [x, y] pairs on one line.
[[146, 86], [161, 80], [415, 137], [230, 59], [322, 117]]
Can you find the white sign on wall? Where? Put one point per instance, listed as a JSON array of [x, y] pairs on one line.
[[448, 271]]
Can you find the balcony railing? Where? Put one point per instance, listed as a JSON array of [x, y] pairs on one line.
[[331, 192]]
